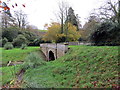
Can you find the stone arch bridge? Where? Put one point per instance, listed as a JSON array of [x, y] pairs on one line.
[[53, 51]]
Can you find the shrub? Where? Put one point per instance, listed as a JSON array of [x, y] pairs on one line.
[[0, 42], [106, 34], [29, 36], [37, 41], [61, 38], [19, 41], [4, 41], [10, 33], [24, 46], [8, 46], [33, 60]]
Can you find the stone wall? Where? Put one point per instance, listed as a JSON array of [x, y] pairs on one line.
[[58, 49]]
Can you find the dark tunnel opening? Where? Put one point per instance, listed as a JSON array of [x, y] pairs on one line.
[[51, 56]]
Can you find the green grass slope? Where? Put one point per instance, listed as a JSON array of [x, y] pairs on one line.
[[81, 67], [16, 54], [8, 74]]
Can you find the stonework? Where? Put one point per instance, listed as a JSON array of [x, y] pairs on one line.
[[58, 50]]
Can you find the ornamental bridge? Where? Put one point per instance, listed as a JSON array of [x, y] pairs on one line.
[[53, 51]]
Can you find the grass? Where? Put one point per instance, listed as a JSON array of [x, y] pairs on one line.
[[9, 74], [16, 54], [43, 30], [33, 60], [82, 66]]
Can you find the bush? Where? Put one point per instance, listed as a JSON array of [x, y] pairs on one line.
[[37, 41], [8, 46], [24, 46], [19, 41], [0, 42], [29, 35], [108, 33], [3, 42], [10, 33], [61, 38], [33, 60]]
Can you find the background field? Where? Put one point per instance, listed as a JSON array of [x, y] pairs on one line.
[[16, 54]]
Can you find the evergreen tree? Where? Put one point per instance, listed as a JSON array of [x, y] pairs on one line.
[[71, 18]]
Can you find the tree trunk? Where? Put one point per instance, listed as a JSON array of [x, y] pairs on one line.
[[119, 11], [62, 24]]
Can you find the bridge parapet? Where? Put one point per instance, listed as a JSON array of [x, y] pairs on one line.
[[57, 49], [62, 47]]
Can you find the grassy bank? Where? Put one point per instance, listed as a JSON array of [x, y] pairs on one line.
[[9, 74], [82, 66], [16, 54]]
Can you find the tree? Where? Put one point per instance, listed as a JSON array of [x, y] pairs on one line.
[[62, 14], [119, 11], [107, 33], [29, 36], [4, 20], [19, 41], [72, 34], [54, 33], [89, 27], [71, 18], [31, 27], [78, 22], [109, 11], [21, 19], [10, 33], [7, 21]]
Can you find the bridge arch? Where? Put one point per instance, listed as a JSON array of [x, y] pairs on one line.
[[51, 56], [53, 51]]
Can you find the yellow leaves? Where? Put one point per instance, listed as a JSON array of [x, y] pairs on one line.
[[54, 29], [61, 35], [53, 32], [73, 34], [11, 82]]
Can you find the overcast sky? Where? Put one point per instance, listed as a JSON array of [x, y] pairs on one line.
[[43, 11]]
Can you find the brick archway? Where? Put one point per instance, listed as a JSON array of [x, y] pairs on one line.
[[51, 56]]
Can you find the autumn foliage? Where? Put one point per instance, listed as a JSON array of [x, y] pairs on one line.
[[54, 34]]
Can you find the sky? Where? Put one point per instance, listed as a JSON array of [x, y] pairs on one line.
[[40, 12]]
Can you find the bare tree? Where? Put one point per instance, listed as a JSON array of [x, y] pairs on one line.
[[4, 20], [21, 19], [62, 13], [109, 11], [7, 21]]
